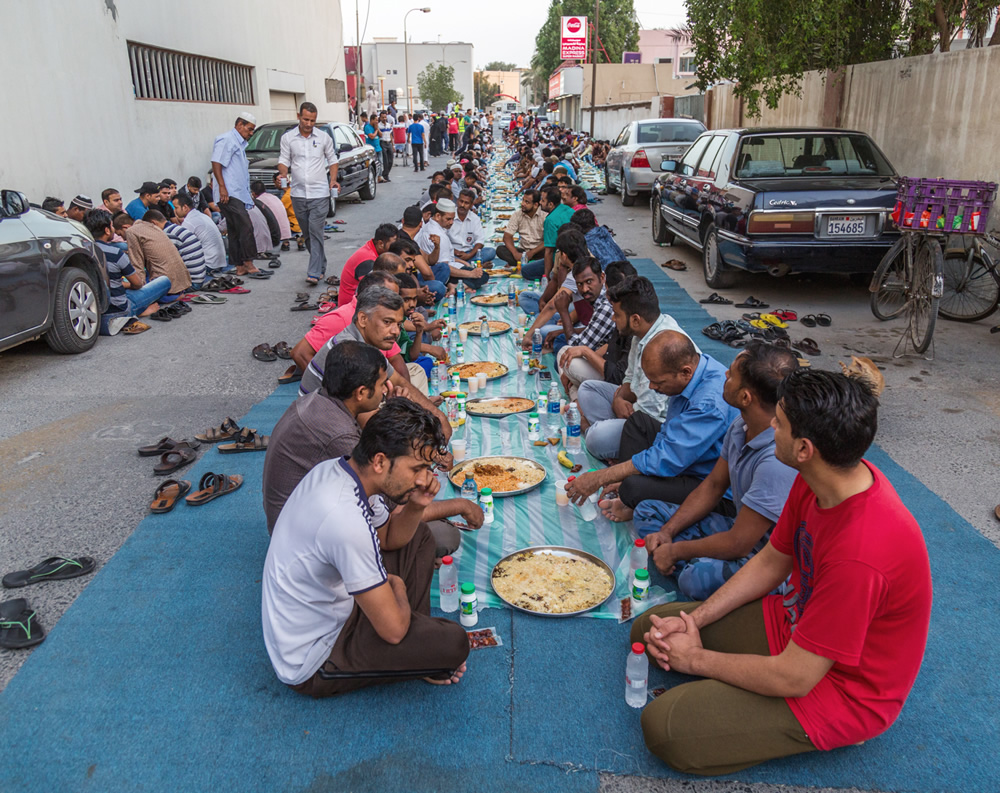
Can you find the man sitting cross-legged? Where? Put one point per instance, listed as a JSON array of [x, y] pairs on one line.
[[703, 547], [346, 586], [606, 406], [831, 662], [667, 460], [327, 424]]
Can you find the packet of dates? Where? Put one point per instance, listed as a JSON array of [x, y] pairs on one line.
[[625, 608], [484, 637]]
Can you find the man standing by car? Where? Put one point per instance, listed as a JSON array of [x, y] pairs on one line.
[[385, 138], [232, 191], [310, 154]]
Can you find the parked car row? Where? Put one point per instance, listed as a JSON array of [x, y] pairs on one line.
[[774, 200]]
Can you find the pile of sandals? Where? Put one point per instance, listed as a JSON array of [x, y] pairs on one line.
[[226, 284], [231, 439]]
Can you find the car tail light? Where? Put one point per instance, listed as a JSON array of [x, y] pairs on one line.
[[781, 223], [639, 159]]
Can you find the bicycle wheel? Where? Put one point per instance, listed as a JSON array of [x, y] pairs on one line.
[[971, 289], [925, 292], [888, 286]]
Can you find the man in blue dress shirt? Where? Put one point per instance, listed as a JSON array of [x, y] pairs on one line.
[[667, 461], [231, 192]]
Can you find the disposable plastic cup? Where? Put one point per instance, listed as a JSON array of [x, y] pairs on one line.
[[473, 385], [481, 377], [562, 431], [458, 449], [463, 334], [519, 356], [562, 500]]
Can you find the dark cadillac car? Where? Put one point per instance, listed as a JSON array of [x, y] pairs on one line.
[[780, 201], [358, 169], [53, 280]]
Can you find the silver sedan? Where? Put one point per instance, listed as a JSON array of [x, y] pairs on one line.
[[633, 163]]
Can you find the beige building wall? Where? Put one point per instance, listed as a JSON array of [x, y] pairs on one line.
[[509, 82], [626, 83], [72, 123], [933, 115]]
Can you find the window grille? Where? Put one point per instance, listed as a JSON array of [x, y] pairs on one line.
[[173, 76]]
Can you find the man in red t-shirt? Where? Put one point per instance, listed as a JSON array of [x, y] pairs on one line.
[[829, 662], [385, 235]]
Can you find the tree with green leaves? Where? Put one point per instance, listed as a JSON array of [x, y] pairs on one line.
[[618, 31], [436, 85], [484, 89], [765, 47], [499, 66]]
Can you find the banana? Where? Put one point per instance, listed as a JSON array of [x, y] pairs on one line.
[[564, 460]]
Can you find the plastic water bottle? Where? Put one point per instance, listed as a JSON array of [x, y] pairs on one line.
[[636, 674], [469, 489], [469, 605], [536, 343], [573, 428], [459, 294], [511, 295], [554, 405], [484, 330], [448, 585], [638, 558]]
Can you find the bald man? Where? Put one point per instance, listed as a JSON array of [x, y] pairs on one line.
[[667, 461]]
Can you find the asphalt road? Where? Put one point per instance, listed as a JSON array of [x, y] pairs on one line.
[[71, 482]]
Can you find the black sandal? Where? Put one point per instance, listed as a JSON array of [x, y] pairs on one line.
[[160, 316], [824, 320], [263, 352], [165, 445], [282, 350], [19, 627], [809, 320], [752, 302], [55, 568], [717, 299]]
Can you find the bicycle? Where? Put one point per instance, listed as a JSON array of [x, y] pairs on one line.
[[920, 278]]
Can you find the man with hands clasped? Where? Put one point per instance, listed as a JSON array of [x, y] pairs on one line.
[[830, 662], [703, 547]]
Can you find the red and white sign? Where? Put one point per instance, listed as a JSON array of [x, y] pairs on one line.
[[573, 39]]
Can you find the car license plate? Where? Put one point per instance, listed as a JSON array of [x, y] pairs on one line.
[[845, 225]]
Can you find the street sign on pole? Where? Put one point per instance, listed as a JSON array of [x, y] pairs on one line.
[[573, 39]]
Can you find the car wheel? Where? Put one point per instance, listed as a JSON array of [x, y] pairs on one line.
[[717, 275], [76, 319], [610, 188], [628, 199], [367, 192], [660, 234]]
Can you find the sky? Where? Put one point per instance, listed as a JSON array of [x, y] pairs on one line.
[[498, 31]]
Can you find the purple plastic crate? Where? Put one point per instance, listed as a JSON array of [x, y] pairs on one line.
[[944, 200]]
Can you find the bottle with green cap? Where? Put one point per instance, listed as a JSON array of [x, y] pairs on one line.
[[468, 605], [486, 502], [640, 585], [534, 432]]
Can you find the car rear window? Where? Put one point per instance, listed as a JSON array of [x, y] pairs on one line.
[[660, 132], [764, 156]]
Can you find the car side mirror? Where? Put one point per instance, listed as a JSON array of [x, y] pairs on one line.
[[344, 147], [13, 203], [669, 166]]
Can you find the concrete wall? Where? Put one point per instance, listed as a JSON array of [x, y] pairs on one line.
[[388, 59], [71, 123], [626, 83], [609, 121], [933, 115], [510, 84]]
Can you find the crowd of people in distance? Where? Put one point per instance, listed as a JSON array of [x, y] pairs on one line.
[[748, 483]]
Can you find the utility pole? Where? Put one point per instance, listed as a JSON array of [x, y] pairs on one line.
[[357, 60], [593, 64]]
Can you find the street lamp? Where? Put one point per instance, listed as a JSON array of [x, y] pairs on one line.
[[406, 48]]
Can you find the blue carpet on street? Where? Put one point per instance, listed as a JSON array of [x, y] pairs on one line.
[[156, 679]]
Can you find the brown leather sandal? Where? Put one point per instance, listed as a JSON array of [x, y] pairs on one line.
[[178, 457], [212, 486], [168, 494], [227, 431], [247, 441]]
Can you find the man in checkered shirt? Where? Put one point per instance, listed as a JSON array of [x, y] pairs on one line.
[[593, 300]]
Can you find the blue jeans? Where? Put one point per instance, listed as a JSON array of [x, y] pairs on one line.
[[604, 434], [533, 270], [474, 283], [529, 301], [698, 578], [141, 299], [442, 272]]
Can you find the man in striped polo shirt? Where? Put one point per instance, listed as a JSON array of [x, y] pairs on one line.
[[191, 251]]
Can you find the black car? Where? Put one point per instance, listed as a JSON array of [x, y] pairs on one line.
[[53, 280], [780, 201], [358, 170]]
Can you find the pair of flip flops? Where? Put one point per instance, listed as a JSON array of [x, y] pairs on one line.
[[211, 486], [333, 280], [171, 312], [267, 353], [208, 300], [767, 319], [247, 441], [812, 320]]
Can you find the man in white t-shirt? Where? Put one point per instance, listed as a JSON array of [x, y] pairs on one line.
[[467, 233], [385, 138], [346, 587]]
